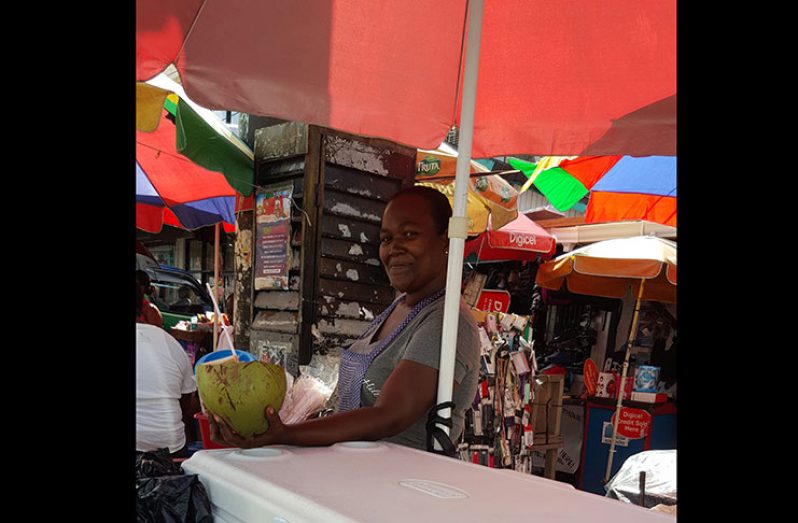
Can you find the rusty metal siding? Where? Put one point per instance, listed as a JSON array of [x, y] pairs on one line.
[[360, 176], [532, 199]]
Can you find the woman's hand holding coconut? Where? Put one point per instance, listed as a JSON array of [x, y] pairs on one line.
[[222, 434]]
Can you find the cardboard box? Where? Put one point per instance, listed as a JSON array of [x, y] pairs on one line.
[[649, 397]]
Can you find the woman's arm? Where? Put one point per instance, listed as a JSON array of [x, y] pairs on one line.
[[189, 405], [406, 396]]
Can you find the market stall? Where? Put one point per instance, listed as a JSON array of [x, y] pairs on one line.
[[645, 266]]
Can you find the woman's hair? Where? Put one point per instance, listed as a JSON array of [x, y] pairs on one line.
[[439, 206]]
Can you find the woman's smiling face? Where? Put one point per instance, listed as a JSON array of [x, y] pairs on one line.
[[411, 249]]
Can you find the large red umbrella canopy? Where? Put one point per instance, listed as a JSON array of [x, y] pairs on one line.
[[555, 77]]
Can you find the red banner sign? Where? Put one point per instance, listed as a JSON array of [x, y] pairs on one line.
[[633, 423], [493, 301]]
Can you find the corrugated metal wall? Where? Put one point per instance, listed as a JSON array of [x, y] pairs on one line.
[[360, 176], [532, 199]]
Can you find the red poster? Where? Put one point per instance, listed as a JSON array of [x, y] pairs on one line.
[[493, 301], [633, 423]]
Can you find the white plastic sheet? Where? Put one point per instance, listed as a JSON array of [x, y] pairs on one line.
[[660, 482]]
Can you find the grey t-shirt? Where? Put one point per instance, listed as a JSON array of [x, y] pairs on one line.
[[420, 341]]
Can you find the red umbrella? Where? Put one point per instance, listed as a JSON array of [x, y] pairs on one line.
[[555, 77], [521, 239]]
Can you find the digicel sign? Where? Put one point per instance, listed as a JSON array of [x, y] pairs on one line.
[[521, 239], [514, 240], [633, 423]]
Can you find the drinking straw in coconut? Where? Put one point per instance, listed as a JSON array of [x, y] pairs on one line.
[[217, 316]]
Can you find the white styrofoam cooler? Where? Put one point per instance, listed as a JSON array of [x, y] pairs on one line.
[[378, 481]]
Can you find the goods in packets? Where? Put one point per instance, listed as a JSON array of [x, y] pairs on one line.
[[239, 392]]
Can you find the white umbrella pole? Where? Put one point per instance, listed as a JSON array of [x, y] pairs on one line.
[[216, 317], [458, 224], [620, 387]]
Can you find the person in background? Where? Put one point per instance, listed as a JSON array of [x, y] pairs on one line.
[[149, 311], [183, 300], [229, 303], [388, 378], [166, 398]]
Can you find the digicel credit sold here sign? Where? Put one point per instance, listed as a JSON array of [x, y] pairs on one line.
[[493, 301], [633, 423]]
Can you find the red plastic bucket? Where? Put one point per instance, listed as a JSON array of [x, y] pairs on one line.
[[205, 432]]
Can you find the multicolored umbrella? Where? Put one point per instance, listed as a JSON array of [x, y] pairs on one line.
[[521, 239], [203, 205], [488, 197], [199, 135], [620, 187], [186, 160]]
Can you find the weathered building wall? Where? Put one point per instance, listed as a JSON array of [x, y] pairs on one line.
[[353, 287], [280, 160]]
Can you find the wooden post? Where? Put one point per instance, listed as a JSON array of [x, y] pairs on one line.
[[244, 262], [311, 237]]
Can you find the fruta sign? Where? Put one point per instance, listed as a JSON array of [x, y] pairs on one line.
[[633, 423]]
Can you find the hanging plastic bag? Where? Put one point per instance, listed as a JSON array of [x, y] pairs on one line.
[[311, 390], [155, 463], [164, 493]]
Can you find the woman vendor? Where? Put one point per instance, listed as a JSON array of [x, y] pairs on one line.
[[388, 377]]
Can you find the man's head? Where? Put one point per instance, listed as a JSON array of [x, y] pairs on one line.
[[143, 281]]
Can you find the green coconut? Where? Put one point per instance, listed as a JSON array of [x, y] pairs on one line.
[[239, 392]]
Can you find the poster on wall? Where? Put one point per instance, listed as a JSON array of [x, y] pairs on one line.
[[273, 238]]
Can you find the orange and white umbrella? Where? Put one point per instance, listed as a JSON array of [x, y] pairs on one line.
[[611, 267]]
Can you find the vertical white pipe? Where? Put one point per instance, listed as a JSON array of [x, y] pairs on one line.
[[457, 230], [620, 388]]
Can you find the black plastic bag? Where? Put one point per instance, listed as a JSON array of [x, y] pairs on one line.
[[172, 499], [156, 463]]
